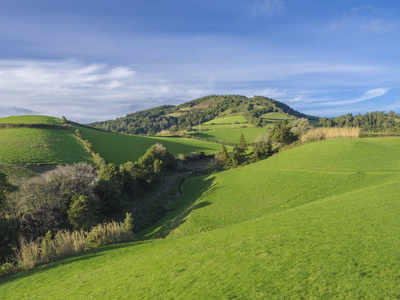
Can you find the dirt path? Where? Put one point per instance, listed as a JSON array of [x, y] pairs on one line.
[[166, 188]]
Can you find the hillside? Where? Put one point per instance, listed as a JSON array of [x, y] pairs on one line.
[[316, 221], [36, 145], [120, 148], [253, 111]]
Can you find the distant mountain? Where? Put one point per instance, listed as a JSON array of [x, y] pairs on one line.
[[188, 114]]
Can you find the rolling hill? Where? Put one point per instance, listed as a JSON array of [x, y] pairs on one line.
[[210, 109], [35, 145], [316, 221]]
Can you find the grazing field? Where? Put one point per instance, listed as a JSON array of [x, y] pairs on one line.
[[227, 120], [276, 116], [31, 119], [120, 148], [40, 146], [230, 135], [224, 126], [316, 221]]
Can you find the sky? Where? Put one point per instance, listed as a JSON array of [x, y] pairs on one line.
[[94, 60]]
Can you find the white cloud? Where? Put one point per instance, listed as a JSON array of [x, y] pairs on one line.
[[366, 96], [267, 8]]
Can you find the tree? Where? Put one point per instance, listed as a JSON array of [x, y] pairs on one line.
[[82, 212], [281, 133], [242, 146]]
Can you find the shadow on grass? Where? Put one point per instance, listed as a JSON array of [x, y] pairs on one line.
[[177, 217], [69, 260]]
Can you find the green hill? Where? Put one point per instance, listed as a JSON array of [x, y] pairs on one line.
[[21, 146], [317, 221], [210, 109], [120, 148]]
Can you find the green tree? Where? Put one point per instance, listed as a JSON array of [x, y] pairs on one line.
[[242, 146], [82, 212]]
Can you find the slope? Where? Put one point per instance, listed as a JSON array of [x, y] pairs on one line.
[[204, 110], [120, 148], [323, 224], [25, 145]]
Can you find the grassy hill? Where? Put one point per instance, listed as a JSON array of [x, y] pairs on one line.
[[120, 148], [21, 146], [31, 119], [217, 109], [317, 221]]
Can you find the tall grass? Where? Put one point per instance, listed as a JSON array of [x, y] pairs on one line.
[[66, 243], [319, 134]]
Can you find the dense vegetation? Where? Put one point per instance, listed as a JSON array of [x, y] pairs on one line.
[[331, 232], [189, 114], [378, 121]]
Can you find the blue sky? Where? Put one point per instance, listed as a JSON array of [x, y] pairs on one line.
[[98, 60]]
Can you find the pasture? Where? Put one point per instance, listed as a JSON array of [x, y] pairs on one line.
[[120, 148], [23, 146], [230, 135], [316, 221], [31, 119]]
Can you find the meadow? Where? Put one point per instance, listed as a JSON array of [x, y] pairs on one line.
[[227, 120], [31, 119], [316, 221], [276, 116], [23, 146], [120, 148], [230, 135]]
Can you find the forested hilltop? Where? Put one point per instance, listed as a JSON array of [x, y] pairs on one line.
[[188, 114]]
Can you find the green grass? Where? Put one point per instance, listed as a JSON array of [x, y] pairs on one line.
[[317, 221], [224, 126], [230, 135], [31, 119], [227, 120], [276, 116], [120, 148], [14, 171], [40, 146]]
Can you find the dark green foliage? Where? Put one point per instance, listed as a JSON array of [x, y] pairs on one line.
[[82, 212], [262, 149], [8, 239], [204, 109], [281, 133], [242, 146], [377, 121]]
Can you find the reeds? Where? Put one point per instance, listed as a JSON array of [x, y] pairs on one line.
[[330, 133], [66, 243]]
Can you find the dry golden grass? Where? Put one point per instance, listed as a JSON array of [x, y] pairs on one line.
[[66, 243], [330, 133]]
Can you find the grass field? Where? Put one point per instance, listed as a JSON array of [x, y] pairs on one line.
[[40, 146], [276, 116], [317, 221], [119, 148], [227, 120], [224, 126], [230, 135], [31, 119]]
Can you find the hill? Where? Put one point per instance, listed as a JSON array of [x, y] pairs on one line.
[[316, 221], [120, 148], [210, 108], [41, 140]]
